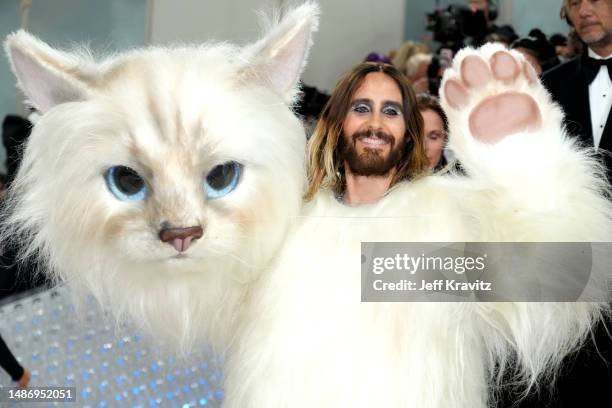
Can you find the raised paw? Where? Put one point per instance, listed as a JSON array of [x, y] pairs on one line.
[[495, 88]]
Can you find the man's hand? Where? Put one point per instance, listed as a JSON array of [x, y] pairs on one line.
[[25, 379]]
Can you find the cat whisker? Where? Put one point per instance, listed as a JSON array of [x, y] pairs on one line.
[[374, 217], [233, 256]]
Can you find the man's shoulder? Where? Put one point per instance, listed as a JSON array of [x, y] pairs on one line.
[[562, 71], [563, 81]]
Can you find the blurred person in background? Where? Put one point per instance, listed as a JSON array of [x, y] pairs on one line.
[[377, 57], [481, 21], [309, 105], [504, 34], [435, 130], [15, 132], [575, 46], [583, 88], [540, 53], [496, 38], [401, 56], [537, 33], [559, 41], [567, 47], [459, 25], [416, 71], [439, 63], [15, 276]]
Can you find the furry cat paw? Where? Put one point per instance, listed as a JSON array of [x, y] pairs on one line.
[[495, 87]]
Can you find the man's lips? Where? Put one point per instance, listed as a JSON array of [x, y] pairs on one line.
[[589, 25], [373, 141]]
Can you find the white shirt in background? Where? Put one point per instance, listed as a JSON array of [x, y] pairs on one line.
[[600, 100]]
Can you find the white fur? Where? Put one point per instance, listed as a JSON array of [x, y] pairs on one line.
[[278, 292], [306, 333], [183, 111]]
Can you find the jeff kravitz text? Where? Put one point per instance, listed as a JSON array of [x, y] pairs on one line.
[[437, 285]]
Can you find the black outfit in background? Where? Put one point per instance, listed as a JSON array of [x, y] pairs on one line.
[[15, 131], [9, 363], [569, 85], [586, 376], [585, 379]]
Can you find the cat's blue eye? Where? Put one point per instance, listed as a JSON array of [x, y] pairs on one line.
[[361, 107], [125, 183], [222, 179]]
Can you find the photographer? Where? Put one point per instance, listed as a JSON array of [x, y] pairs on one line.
[[458, 25]]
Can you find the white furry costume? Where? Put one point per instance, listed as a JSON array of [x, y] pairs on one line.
[[279, 293]]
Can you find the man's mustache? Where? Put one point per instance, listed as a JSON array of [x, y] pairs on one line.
[[589, 24], [380, 134]]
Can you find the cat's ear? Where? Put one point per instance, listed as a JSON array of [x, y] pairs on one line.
[[46, 76], [280, 56]]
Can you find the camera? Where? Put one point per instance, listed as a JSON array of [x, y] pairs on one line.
[[453, 24]]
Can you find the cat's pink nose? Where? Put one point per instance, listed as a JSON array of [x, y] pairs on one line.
[[180, 238]]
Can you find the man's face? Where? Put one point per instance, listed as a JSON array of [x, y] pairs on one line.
[[592, 20], [435, 136], [374, 129]]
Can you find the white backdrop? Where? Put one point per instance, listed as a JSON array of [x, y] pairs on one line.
[[349, 29]]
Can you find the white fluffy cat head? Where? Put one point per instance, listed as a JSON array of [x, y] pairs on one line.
[[162, 180]]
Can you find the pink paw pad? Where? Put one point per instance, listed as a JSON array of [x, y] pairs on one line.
[[496, 115]]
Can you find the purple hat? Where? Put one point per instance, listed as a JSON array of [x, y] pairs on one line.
[[376, 57]]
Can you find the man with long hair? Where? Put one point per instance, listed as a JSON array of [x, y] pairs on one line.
[[368, 137], [582, 85]]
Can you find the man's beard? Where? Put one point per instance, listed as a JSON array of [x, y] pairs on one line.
[[604, 41], [370, 162], [598, 41]]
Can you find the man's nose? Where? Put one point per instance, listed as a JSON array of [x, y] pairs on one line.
[[585, 8], [376, 120]]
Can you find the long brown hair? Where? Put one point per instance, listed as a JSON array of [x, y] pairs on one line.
[[429, 102], [323, 161]]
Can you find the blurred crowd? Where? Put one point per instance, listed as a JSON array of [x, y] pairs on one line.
[[457, 26]]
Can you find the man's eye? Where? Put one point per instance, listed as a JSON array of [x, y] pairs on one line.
[[361, 108], [391, 111]]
